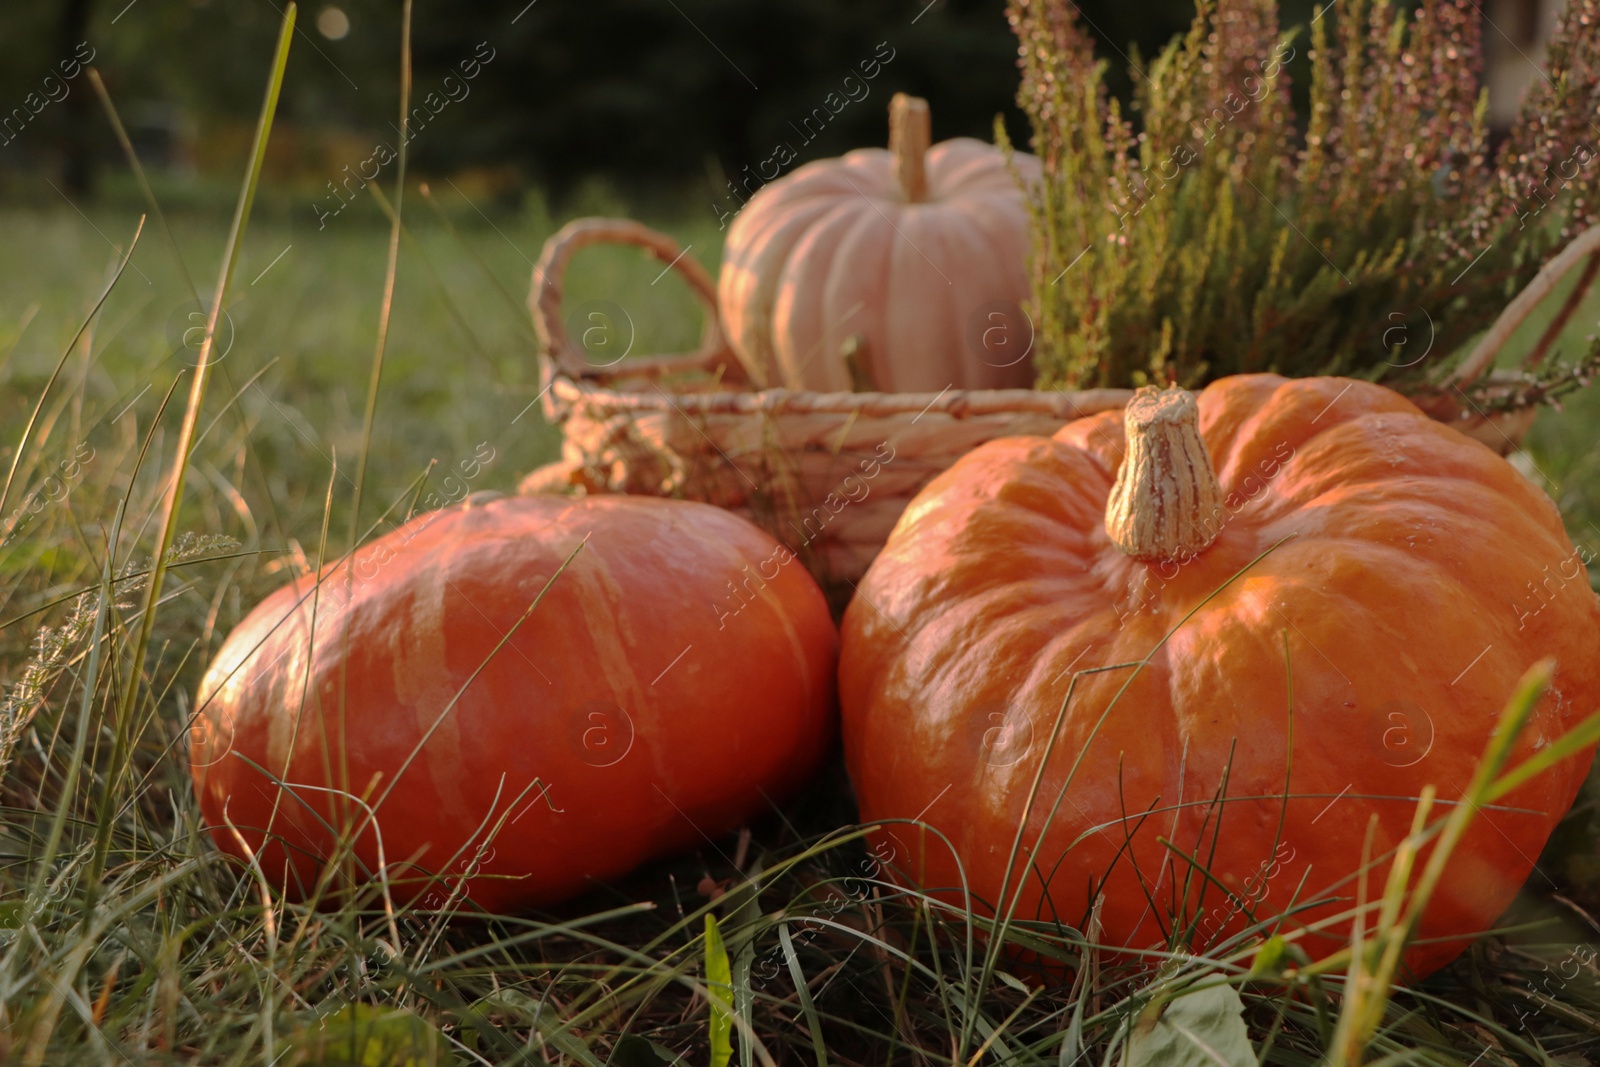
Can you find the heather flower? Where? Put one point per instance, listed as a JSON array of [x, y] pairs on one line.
[[1231, 235]]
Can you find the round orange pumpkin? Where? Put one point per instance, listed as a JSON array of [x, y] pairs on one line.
[[1404, 576], [902, 270], [672, 681]]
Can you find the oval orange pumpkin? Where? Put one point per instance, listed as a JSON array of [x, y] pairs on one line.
[[671, 682], [913, 260], [1407, 575]]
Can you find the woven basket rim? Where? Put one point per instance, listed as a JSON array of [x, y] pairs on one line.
[[956, 403]]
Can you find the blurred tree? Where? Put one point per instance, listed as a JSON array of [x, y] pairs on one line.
[[646, 93], [77, 162], [662, 89]]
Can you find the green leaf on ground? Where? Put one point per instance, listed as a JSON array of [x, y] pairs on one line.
[[1202, 1028], [364, 1035]]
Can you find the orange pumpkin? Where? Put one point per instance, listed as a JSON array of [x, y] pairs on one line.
[[671, 683], [902, 270], [1406, 575]]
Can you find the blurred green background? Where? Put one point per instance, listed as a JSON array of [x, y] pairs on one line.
[[660, 97]]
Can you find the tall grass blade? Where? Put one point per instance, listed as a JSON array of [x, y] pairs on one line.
[[1362, 1013], [191, 420], [719, 994], [386, 307]]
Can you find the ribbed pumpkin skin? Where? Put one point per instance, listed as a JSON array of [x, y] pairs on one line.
[[1407, 580], [730, 707], [835, 250]]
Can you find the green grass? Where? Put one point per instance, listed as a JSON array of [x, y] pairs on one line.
[[175, 955], [461, 363]]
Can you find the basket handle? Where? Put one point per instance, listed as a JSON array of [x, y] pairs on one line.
[[544, 301], [1483, 354]]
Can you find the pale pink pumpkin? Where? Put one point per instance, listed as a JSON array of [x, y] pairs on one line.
[[902, 270]]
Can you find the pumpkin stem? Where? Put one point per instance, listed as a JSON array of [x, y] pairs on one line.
[[1167, 503], [910, 134]]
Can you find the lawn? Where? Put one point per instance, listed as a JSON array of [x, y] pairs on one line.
[[460, 365], [168, 954]]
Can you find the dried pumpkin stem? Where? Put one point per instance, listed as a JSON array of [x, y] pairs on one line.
[[1166, 501], [910, 134]]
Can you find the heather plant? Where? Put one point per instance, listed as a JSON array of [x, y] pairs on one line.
[[1210, 230]]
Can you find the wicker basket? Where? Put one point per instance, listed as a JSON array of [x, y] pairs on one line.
[[826, 473]]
